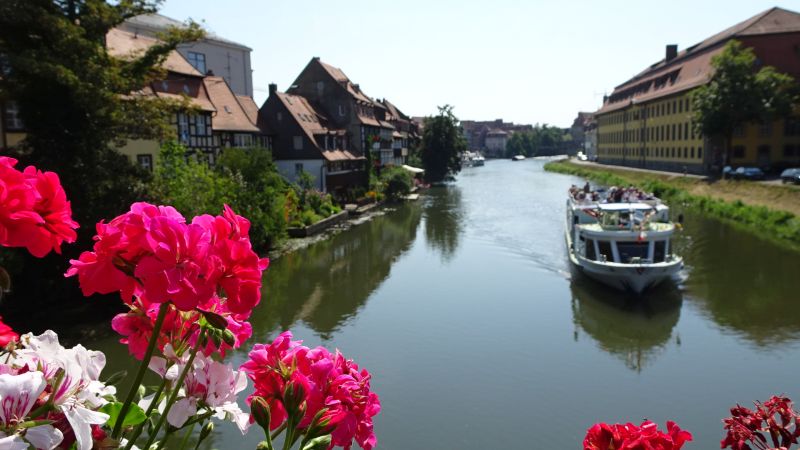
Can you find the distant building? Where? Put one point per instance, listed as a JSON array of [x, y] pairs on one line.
[[576, 131], [485, 136], [214, 54], [495, 143], [405, 135], [590, 137], [647, 120]]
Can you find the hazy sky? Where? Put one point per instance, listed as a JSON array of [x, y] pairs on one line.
[[523, 61]]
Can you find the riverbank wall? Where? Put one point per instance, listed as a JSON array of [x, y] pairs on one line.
[[723, 200]]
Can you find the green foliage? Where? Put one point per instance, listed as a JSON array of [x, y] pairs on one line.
[[780, 226], [246, 180], [738, 94], [69, 91], [441, 146], [531, 143], [397, 182]]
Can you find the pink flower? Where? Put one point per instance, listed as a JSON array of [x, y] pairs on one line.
[[7, 334], [34, 211], [329, 383], [646, 436]]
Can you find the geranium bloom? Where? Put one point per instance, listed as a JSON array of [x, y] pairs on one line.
[[212, 385], [7, 334], [34, 211], [329, 383], [79, 393], [18, 394], [774, 418], [628, 436]]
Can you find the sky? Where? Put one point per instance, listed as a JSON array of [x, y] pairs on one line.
[[525, 61]]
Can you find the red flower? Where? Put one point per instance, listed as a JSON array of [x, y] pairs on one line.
[[34, 211], [646, 436], [6, 334]]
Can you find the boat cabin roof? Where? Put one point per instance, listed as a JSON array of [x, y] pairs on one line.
[[623, 206]]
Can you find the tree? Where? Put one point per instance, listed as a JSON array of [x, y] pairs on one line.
[[442, 145], [738, 94], [74, 97]]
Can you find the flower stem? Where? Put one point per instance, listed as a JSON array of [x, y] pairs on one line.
[[186, 437], [162, 313], [278, 431], [139, 428], [175, 390]]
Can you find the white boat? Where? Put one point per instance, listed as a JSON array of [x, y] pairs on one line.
[[625, 245], [518, 157], [472, 159], [478, 160]]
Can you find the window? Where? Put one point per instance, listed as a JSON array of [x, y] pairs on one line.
[[11, 116], [686, 131], [298, 168], [183, 128], [145, 161], [630, 250], [198, 61], [791, 127], [692, 153], [341, 110], [738, 131], [659, 251], [788, 151], [298, 142], [242, 140], [590, 253], [738, 151], [699, 152], [765, 129], [279, 116], [604, 247]]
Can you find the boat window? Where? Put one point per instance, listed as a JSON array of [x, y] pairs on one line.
[[629, 250], [590, 254], [604, 247], [575, 219], [659, 251]]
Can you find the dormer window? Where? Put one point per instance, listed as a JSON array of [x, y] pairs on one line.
[[341, 110], [198, 61]]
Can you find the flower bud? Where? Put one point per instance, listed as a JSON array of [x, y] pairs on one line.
[[229, 338], [206, 431], [214, 320], [259, 409]]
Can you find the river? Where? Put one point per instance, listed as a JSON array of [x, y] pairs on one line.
[[463, 307]]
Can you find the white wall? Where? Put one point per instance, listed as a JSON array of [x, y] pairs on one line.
[[229, 62], [315, 167]]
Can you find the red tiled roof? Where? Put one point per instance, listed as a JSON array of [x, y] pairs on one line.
[[338, 75], [692, 66], [249, 106], [340, 155], [230, 114], [123, 44]]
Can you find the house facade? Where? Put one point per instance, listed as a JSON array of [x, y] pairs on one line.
[[647, 120], [306, 140], [215, 54]]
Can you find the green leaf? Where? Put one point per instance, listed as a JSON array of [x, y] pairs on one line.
[[135, 414], [319, 443]]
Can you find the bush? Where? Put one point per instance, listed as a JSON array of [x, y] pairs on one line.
[[397, 182]]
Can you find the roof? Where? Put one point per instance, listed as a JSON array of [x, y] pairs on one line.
[[127, 45], [249, 106], [230, 114], [340, 155], [157, 22], [338, 75], [692, 66]]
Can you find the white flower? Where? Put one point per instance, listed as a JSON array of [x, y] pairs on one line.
[[18, 394]]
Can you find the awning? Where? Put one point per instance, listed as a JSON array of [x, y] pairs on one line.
[[414, 170]]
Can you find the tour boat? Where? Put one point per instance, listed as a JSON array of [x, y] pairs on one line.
[[624, 243], [518, 157]]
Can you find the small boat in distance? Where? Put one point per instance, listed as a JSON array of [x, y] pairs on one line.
[[621, 238], [518, 158]]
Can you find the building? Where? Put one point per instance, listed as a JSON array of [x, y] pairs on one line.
[[495, 143], [213, 55], [647, 120], [590, 138], [305, 140], [347, 107], [577, 132], [404, 137], [216, 119], [477, 135]]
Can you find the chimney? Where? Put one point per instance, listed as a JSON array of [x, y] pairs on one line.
[[316, 58], [273, 88], [672, 52]]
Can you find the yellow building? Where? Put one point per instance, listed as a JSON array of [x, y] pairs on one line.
[[647, 121]]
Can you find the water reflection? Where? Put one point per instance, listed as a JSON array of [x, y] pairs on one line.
[[327, 283], [744, 283], [635, 330], [444, 220]]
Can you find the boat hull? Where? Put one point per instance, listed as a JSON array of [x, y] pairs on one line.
[[635, 278]]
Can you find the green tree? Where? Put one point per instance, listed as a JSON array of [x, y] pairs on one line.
[[442, 145], [740, 93], [73, 96], [397, 182]]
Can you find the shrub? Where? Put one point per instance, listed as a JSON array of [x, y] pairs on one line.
[[397, 182]]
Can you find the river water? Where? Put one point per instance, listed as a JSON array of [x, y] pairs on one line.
[[463, 307]]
